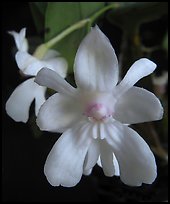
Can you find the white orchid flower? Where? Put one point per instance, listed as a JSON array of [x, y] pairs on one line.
[[19, 102], [94, 116]]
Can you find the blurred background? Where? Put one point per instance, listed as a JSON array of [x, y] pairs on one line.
[[135, 29]]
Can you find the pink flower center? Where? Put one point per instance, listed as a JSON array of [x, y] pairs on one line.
[[97, 111]]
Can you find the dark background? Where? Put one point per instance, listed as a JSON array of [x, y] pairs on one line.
[[23, 155]]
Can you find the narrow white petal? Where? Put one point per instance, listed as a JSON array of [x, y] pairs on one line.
[[23, 40], [115, 164], [20, 40], [19, 102], [51, 79], [31, 65], [34, 67], [138, 70], [39, 98], [87, 172], [136, 161], [96, 65], [106, 156], [58, 113], [137, 105], [92, 155], [59, 65], [64, 164], [23, 60]]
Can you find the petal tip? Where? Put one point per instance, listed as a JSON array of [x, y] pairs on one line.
[[148, 63], [152, 179], [161, 113], [10, 32], [96, 27], [40, 123], [23, 29], [12, 114], [40, 74]]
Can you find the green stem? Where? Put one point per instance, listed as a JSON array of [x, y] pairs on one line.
[[66, 32], [79, 24]]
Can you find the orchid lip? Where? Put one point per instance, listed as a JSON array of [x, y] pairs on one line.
[[97, 112]]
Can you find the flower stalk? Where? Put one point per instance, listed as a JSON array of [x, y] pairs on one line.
[[66, 32]]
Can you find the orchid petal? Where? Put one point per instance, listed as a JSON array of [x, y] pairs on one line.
[[59, 65], [20, 40], [87, 172], [64, 164], [31, 65], [18, 104], [39, 98], [106, 156], [58, 113], [138, 105], [138, 70], [115, 164], [136, 161], [92, 155], [96, 65], [23, 60], [51, 79]]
